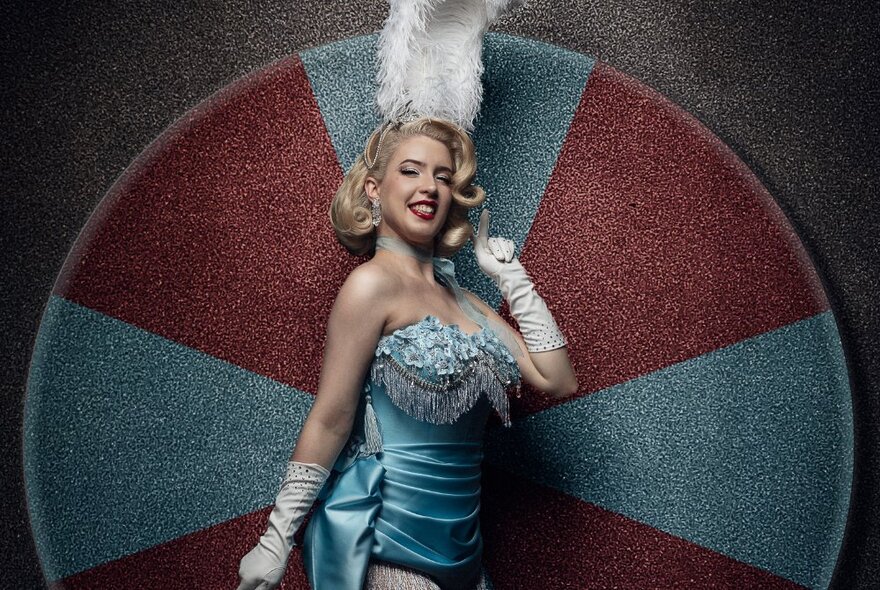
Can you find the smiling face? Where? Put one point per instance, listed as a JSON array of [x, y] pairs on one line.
[[415, 192], [395, 158]]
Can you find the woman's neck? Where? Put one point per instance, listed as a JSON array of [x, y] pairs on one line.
[[397, 245], [419, 260]]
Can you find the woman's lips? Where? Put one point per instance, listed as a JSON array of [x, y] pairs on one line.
[[423, 210]]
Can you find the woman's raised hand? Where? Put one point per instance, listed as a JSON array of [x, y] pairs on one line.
[[493, 254], [496, 259]]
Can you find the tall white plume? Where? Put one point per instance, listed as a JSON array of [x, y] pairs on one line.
[[430, 59]]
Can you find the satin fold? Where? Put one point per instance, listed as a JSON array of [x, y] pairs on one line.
[[430, 514], [415, 504], [339, 539]]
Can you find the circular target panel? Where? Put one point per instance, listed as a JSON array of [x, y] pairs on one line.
[[710, 444]]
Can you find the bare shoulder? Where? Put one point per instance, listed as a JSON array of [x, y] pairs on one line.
[[368, 280], [369, 286]]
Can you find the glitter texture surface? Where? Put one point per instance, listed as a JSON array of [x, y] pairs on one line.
[[343, 81], [152, 440], [205, 559], [537, 537], [659, 252], [217, 236], [654, 243], [519, 133], [746, 450]]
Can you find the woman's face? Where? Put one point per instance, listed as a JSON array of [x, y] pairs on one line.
[[416, 192]]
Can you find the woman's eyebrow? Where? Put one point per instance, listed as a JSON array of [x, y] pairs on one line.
[[422, 164], [416, 162]]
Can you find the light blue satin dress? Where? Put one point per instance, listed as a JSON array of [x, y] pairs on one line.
[[406, 489]]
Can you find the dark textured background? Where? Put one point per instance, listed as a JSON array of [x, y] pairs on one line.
[[791, 87]]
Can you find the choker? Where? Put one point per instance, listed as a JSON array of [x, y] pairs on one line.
[[400, 247]]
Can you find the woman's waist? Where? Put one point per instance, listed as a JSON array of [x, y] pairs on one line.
[[440, 478], [434, 459]]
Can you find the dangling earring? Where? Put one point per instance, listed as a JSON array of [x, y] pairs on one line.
[[377, 213]]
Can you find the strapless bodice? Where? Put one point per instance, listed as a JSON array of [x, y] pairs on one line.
[[436, 372]]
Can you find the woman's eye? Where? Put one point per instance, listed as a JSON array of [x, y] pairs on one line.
[[409, 171], [444, 179]]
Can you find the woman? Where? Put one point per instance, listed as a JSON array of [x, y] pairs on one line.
[[412, 366]]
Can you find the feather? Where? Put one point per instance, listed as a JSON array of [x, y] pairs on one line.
[[430, 59]]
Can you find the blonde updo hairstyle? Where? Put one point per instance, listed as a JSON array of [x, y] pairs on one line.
[[350, 210]]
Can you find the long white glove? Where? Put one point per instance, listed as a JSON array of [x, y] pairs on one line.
[[263, 567], [496, 258]]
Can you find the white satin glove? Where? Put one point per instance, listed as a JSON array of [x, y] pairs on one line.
[[263, 567], [496, 258]]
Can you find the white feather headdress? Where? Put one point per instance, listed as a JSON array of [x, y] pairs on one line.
[[430, 59]]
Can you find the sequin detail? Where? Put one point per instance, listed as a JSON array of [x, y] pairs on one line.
[[435, 372], [547, 336], [304, 475]]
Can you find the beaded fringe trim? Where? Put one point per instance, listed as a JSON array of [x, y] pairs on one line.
[[372, 436], [442, 403]]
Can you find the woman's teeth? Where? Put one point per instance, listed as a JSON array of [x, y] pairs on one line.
[[423, 208]]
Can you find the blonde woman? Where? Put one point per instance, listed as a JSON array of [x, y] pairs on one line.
[[413, 364]]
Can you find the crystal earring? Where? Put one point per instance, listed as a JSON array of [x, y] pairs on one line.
[[377, 213]]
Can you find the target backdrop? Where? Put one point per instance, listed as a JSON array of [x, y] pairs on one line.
[[711, 442]]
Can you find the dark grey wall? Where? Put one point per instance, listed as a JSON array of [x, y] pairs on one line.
[[791, 87]]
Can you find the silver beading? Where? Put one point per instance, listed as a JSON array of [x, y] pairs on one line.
[[376, 212], [382, 133]]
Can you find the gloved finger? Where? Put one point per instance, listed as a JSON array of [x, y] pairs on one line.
[[496, 248], [246, 585], [482, 235], [509, 249]]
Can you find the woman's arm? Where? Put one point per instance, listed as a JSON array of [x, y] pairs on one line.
[[549, 371], [545, 363], [353, 330]]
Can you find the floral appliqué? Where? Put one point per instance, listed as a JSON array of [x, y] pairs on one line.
[[436, 372]]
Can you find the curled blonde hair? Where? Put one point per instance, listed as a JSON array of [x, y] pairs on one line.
[[350, 209]]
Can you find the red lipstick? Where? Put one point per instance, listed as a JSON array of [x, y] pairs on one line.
[[424, 214]]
